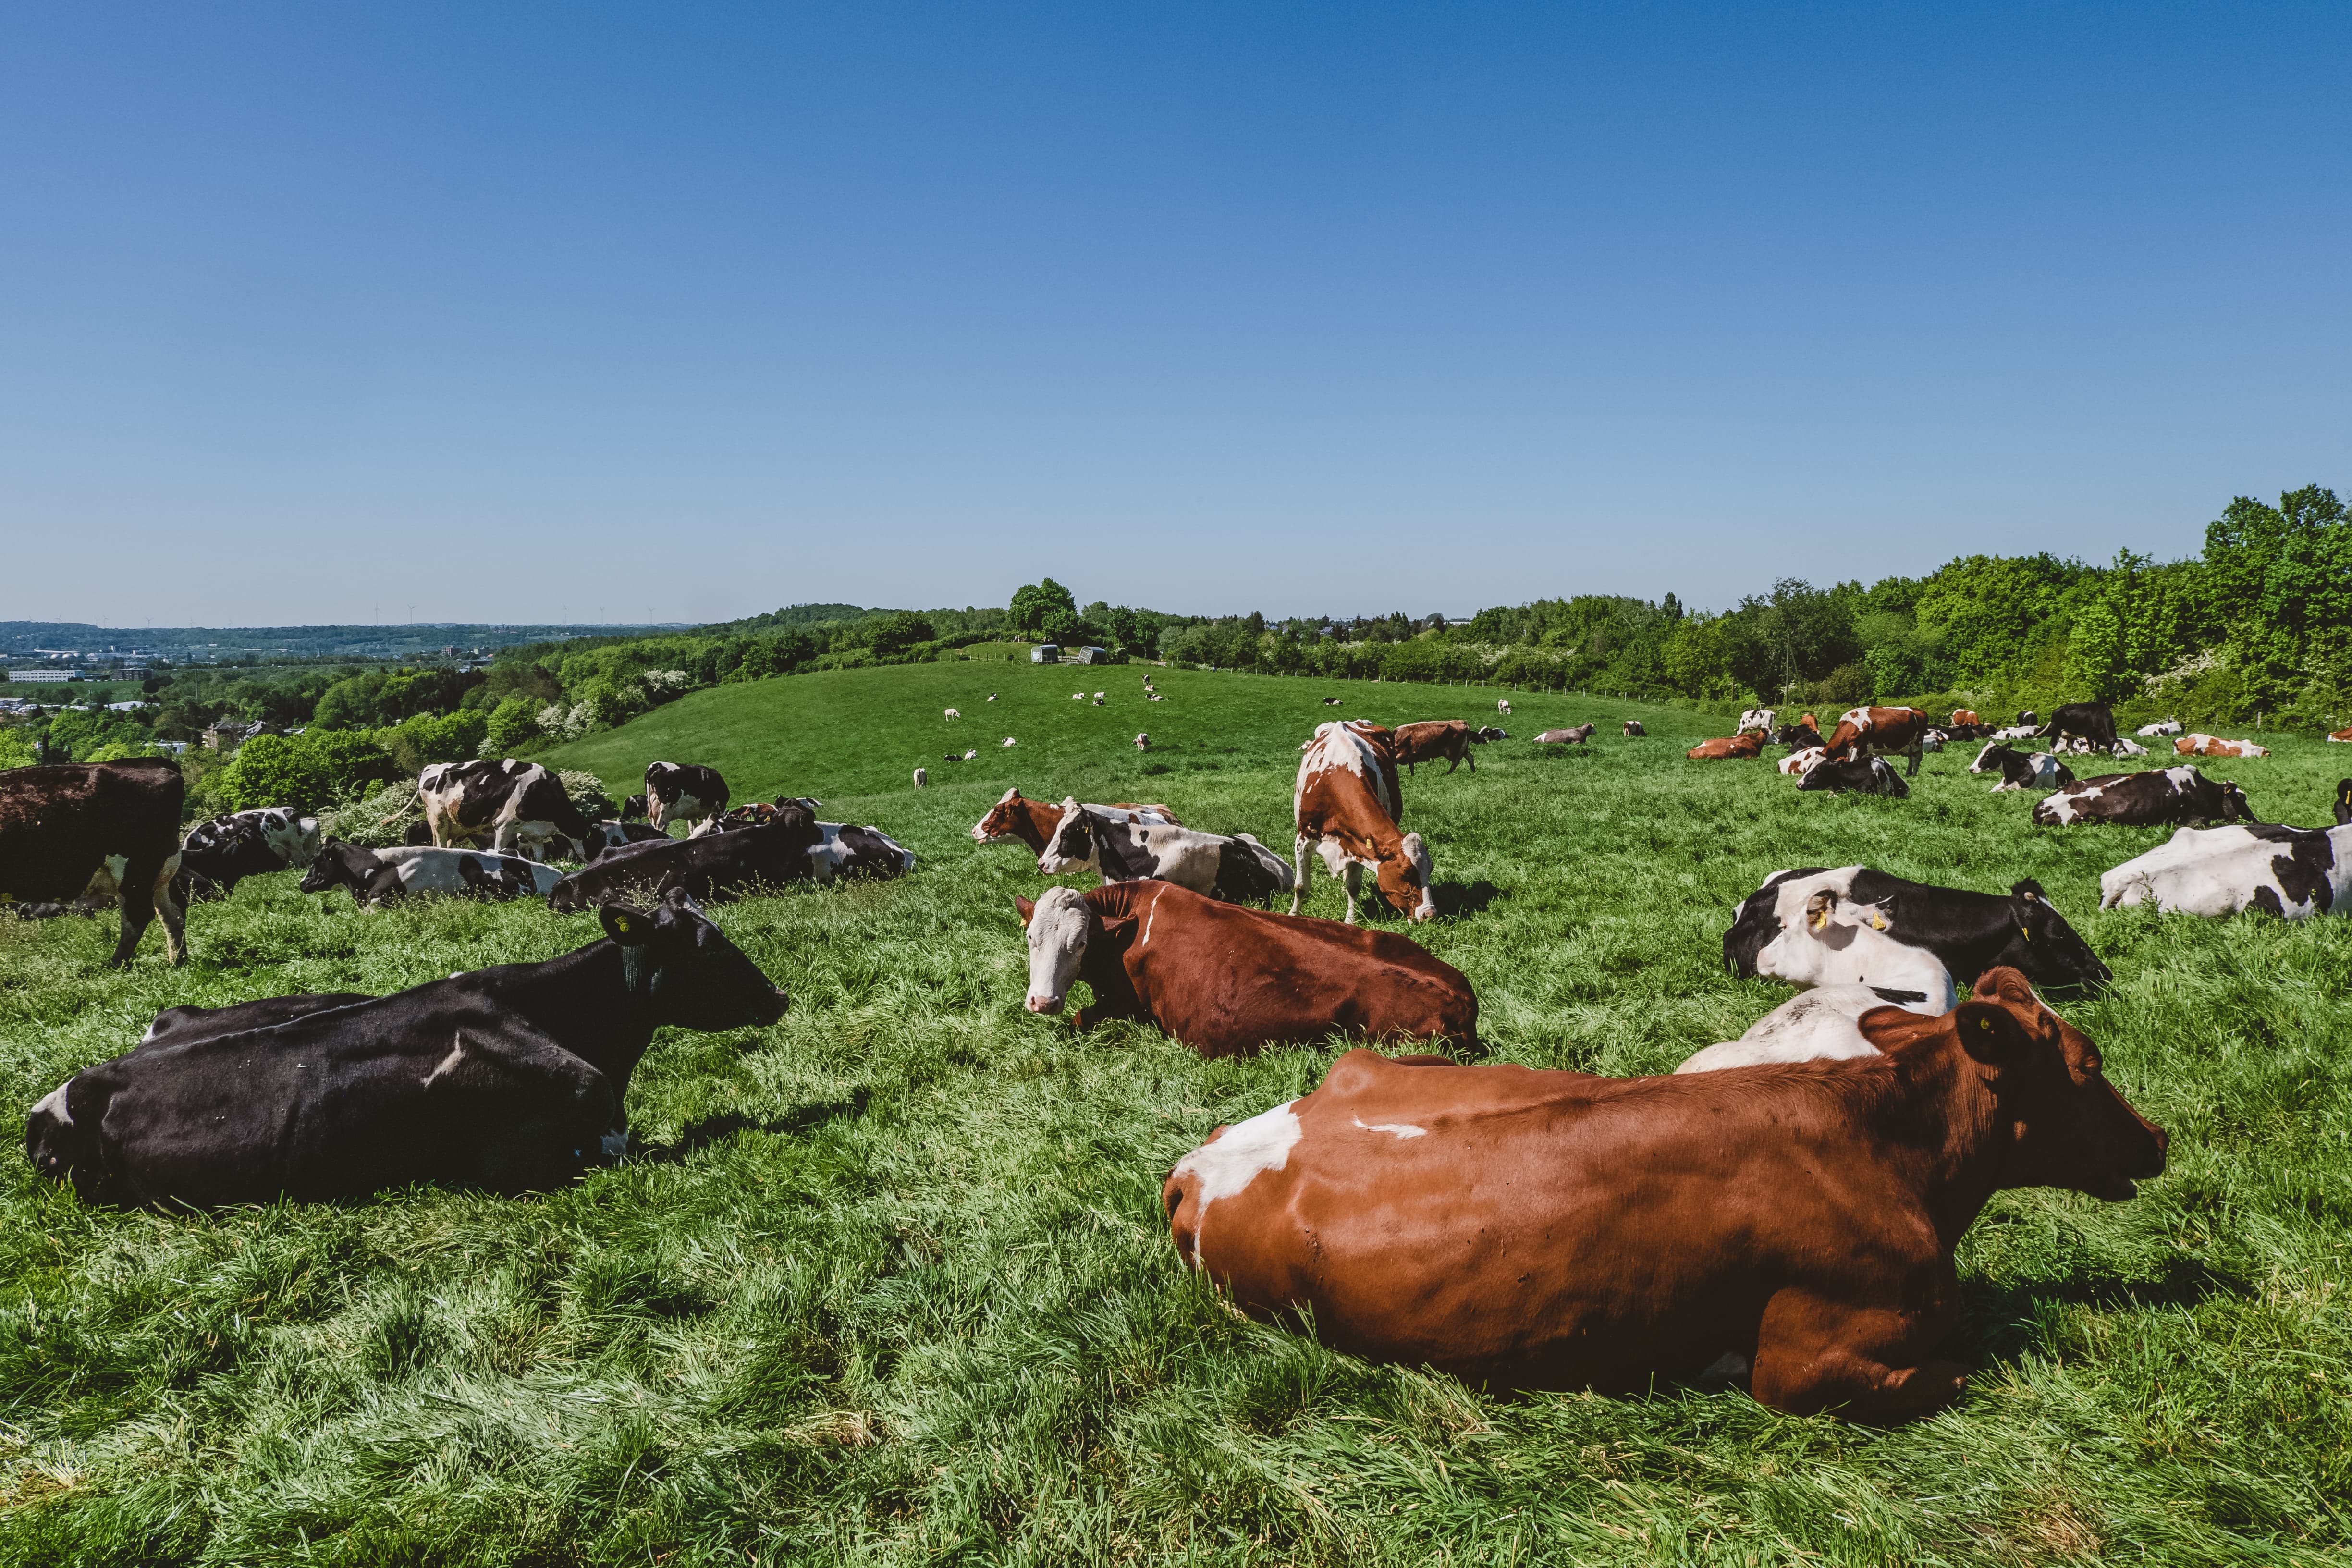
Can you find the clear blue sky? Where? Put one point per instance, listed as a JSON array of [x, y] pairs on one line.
[[314, 312]]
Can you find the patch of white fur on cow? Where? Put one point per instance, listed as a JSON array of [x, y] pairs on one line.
[[1812, 1026], [1057, 947], [1240, 1155], [54, 1102], [1398, 1130], [2217, 871], [1150, 915], [448, 1064]]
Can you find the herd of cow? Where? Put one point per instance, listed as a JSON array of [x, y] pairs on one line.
[[1782, 1208]]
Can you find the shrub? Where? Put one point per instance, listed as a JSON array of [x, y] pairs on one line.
[[451, 738], [511, 722], [16, 750], [304, 772]]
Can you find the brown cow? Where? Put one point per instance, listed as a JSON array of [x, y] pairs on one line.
[[1576, 736], [1225, 979], [1964, 716], [1540, 1229], [1878, 733], [1450, 739], [1347, 805], [1747, 743], [2200, 745], [1016, 819], [97, 833], [1633, 727]]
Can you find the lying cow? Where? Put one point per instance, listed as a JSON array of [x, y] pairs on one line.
[[716, 865], [1964, 716], [2203, 745], [377, 877], [613, 834], [1633, 728], [98, 833], [1821, 1025], [1238, 869], [2091, 722], [511, 1079], [1016, 819], [2292, 872], [2167, 727], [1226, 979], [678, 792], [1797, 736], [2344, 734], [1576, 736], [1798, 764], [1347, 803], [1734, 748], [1966, 933], [1450, 739], [1526, 1228], [2181, 795], [507, 807], [1879, 732], [1757, 719], [220, 853], [1859, 776], [2021, 770], [2014, 732]]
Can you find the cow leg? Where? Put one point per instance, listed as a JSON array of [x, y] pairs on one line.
[[1813, 1355], [1352, 879], [1914, 753], [168, 905], [502, 841], [1298, 864]]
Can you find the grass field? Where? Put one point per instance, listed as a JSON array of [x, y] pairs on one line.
[[891, 1283]]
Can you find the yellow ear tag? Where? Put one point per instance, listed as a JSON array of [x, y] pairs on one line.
[[621, 924], [2025, 933]]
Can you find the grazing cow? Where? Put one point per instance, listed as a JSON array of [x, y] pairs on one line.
[[1735, 747], [1821, 1025], [1798, 764], [511, 1079], [687, 793], [1782, 931], [1007, 740], [2028, 718], [634, 810], [1016, 819], [1226, 979], [1331, 702], [2202, 745], [1529, 1229], [2290, 872], [382, 876], [1879, 732], [1142, 740], [953, 714], [97, 832], [1238, 869], [1503, 706], [518, 807], [2092, 721], [2342, 802], [1758, 719], [1575, 736], [2021, 770], [1346, 803], [1965, 716], [1450, 739], [221, 853], [2172, 727], [1633, 727], [716, 865], [992, 696], [1859, 776], [922, 778], [2180, 796]]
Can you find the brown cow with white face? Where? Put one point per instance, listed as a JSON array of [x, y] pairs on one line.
[[1347, 805], [1879, 732], [1016, 819], [1539, 1229]]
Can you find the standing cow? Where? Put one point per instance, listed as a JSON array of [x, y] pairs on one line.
[[682, 793], [1346, 803], [98, 831], [1879, 732], [508, 806], [1450, 739], [2092, 721]]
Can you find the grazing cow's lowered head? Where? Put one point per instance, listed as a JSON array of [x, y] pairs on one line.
[[634, 810]]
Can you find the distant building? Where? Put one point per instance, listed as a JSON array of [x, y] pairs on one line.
[[49, 674]]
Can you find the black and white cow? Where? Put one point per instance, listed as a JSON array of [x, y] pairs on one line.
[[218, 853], [511, 1079], [2021, 770], [1967, 933], [2342, 802], [2162, 727], [614, 832], [2149, 799], [96, 833], [713, 865], [508, 806], [1862, 775], [842, 850], [1797, 736], [380, 876], [678, 792], [1238, 869], [634, 810], [2292, 872], [2094, 722]]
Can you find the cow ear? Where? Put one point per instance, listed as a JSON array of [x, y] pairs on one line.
[[630, 928], [1989, 1033], [1025, 907]]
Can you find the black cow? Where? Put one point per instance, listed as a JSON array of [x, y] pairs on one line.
[[2181, 795], [1967, 932], [1796, 737], [96, 832], [221, 853], [2342, 802], [1862, 775], [2094, 722], [518, 807], [634, 810], [715, 866], [511, 1079], [2027, 716], [682, 793]]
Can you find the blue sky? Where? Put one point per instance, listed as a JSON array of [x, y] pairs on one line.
[[314, 313]]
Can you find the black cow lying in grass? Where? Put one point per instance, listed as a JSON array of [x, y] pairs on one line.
[[715, 866], [511, 1079]]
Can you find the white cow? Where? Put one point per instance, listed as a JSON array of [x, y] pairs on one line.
[[1502, 705], [953, 714], [922, 778], [1842, 943], [1809, 1026], [2292, 872], [1007, 740], [1142, 741], [2166, 727]]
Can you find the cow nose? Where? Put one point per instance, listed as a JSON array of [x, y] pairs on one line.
[[1045, 1004]]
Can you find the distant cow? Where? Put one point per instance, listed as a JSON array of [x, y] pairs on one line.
[[1633, 727], [1006, 742], [922, 778], [1757, 719], [1346, 803], [1016, 819], [1331, 702], [2092, 721], [953, 714], [1745, 744], [2181, 795], [378, 877], [2172, 727], [1225, 979], [97, 832], [1450, 739], [716, 865], [218, 853], [1575, 736], [1142, 740], [2202, 745], [1503, 706], [1797, 736], [511, 1079], [1238, 869], [682, 793], [1879, 732], [2028, 718], [2292, 872], [1784, 932], [507, 807], [1866, 776], [2342, 802], [1965, 716], [2021, 770], [1529, 1228]]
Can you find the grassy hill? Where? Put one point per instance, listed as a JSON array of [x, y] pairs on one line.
[[891, 1282]]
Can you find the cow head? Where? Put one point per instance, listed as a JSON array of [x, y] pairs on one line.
[[2342, 803], [684, 971], [2235, 807], [340, 865], [1405, 879], [1486, 735], [2043, 946], [2057, 1122], [996, 827], [634, 810], [1989, 760], [1076, 844], [1060, 925]]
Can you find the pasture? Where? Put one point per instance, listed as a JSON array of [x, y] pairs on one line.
[[889, 1282]]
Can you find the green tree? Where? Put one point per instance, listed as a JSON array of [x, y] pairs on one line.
[[2098, 664], [1033, 601], [511, 722]]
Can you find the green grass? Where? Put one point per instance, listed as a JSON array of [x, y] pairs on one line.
[[891, 1283]]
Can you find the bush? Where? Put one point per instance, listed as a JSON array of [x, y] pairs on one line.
[[16, 750], [452, 738], [511, 722], [304, 772]]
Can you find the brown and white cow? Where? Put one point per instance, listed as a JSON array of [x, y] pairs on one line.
[[1540, 1229], [1879, 732], [1225, 978], [1574, 736], [1017, 819], [98, 833], [1347, 806], [1964, 716], [2202, 745], [1633, 728], [1431, 740], [2333, 734], [1745, 744]]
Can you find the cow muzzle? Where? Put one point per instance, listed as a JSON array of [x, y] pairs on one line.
[[1045, 1004]]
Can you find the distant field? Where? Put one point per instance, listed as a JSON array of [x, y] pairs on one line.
[[891, 1282]]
